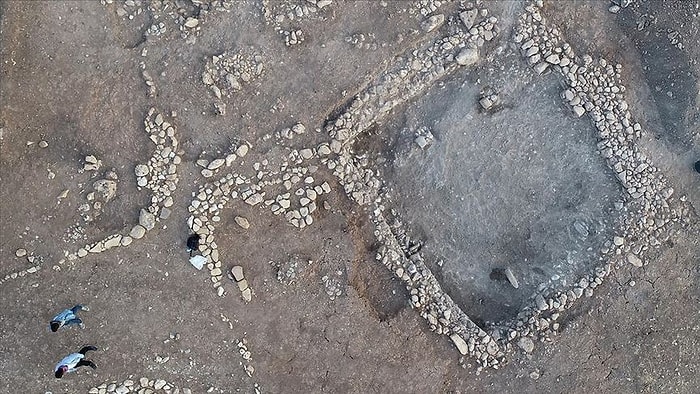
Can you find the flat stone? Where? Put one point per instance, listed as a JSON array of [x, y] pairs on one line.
[[433, 23], [460, 344], [147, 220], [241, 221], [216, 272], [578, 111], [486, 103], [216, 164], [511, 278], [21, 252], [159, 384], [242, 284], [254, 199], [191, 22], [113, 241], [468, 18], [237, 272], [526, 344], [540, 302], [242, 150], [247, 294], [634, 260], [126, 240], [306, 153], [137, 232], [467, 56], [141, 170]]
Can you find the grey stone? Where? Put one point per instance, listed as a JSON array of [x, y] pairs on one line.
[[634, 260], [540, 302], [460, 344], [242, 150], [433, 23], [467, 56], [526, 344], [468, 17], [137, 232], [241, 221], [247, 294], [147, 220], [511, 278], [237, 272], [141, 170]]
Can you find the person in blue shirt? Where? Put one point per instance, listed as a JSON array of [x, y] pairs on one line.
[[74, 361], [67, 317]]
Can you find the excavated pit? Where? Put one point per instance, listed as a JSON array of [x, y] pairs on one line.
[[521, 187]]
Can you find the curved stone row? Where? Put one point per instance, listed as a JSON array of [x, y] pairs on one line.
[[595, 88], [289, 190], [159, 176], [412, 73], [143, 386], [427, 296]]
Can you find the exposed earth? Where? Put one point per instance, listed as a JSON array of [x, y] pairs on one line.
[[391, 196]]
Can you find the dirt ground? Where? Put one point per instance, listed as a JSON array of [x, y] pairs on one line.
[[494, 186]]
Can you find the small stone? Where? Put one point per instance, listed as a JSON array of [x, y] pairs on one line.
[[247, 294], [578, 111], [634, 260], [121, 390], [242, 284], [540, 68], [299, 128], [141, 170], [216, 164], [306, 153], [467, 56], [143, 382], [526, 344], [159, 384], [43, 144], [242, 150], [540, 302], [254, 199], [21, 252], [618, 241], [486, 103], [468, 17], [460, 344], [215, 272], [433, 23], [241, 221], [147, 220], [113, 241], [137, 232], [237, 273], [82, 252], [126, 240], [191, 22], [511, 278]]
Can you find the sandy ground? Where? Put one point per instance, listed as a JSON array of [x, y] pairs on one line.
[[494, 186]]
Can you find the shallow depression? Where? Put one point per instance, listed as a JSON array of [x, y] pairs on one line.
[[522, 188]]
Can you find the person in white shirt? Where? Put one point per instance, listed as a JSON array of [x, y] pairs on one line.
[[74, 361]]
